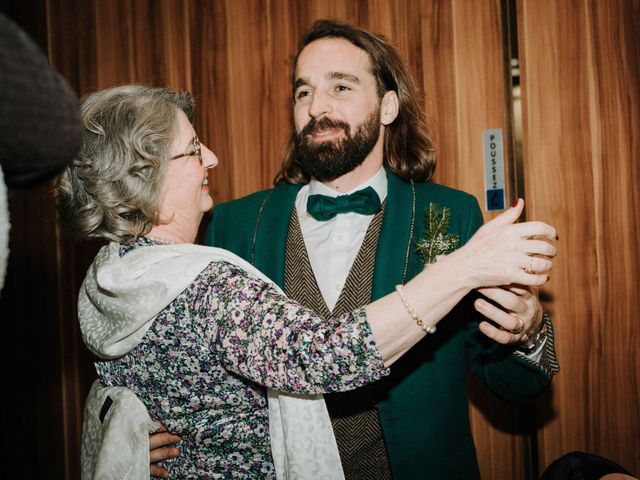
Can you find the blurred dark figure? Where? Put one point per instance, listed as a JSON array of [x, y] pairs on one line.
[[585, 466], [40, 127]]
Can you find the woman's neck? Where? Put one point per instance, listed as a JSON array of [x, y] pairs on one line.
[[173, 233]]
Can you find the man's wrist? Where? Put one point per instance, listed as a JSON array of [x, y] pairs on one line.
[[532, 341]]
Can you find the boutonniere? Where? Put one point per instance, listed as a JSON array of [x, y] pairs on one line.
[[437, 239]]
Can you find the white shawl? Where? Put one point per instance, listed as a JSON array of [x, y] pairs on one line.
[[4, 230], [118, 302]]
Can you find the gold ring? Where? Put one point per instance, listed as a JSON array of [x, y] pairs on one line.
[[529, 269], [520, 328]]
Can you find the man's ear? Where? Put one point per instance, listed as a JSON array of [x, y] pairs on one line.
[[389, 107]]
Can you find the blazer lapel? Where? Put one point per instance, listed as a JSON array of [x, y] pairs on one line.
[[271, 231], [395, 262]]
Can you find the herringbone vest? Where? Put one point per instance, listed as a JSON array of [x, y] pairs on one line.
[[354, 415]]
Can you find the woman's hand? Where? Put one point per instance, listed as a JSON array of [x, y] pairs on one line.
[[500, 253], [503, 252], [519, 313]]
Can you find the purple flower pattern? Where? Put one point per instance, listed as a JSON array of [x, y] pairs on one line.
[[202, 367]]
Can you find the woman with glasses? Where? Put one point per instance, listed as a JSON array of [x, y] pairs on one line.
[[198, 333]]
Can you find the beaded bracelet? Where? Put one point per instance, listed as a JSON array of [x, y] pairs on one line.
[[412, 312]]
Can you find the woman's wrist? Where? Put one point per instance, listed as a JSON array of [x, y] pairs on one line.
[[456, 269], [414, 315]]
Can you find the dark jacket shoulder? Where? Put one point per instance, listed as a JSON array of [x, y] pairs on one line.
[[233, 224], [230, 220]]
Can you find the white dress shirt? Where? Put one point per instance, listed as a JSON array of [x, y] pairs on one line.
[[334, 244]]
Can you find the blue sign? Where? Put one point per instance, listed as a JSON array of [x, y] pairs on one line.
[[493, 170], [495, 199]]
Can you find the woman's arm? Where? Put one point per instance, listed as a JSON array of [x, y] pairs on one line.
[[265, 337], [497, 254]]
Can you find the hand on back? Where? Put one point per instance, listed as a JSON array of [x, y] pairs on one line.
[[160, 448]]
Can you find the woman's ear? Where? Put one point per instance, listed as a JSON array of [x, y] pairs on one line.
[[389, 107]]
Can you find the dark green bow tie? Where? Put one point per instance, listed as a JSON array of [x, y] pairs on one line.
[[323, 207]]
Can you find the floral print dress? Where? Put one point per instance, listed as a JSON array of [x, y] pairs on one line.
[[202, 367]]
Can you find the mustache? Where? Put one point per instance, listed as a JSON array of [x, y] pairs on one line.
[[316, 125]]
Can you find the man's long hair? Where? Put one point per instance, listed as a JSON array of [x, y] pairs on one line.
[[409, 152]]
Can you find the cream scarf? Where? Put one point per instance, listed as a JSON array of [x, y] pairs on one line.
[[118, 302], [4, 230]]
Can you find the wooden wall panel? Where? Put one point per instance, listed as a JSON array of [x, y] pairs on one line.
[[234, 56], [160, 43], [466, 87], [247, 78], [580, 95], [72, 43], [32, 405], [114, 42], [479, 75], [438, 75], [581, 106]]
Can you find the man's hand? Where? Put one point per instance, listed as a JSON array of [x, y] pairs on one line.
[[159, 451], [520, 313]]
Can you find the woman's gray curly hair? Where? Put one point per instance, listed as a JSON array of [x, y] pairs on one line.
[[112, 189]]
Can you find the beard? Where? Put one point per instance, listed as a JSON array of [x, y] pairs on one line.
[[328, 160]]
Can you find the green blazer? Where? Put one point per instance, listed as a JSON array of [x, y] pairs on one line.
[[423, 403]]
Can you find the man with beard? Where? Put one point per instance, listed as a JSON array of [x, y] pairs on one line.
[[340, 228]]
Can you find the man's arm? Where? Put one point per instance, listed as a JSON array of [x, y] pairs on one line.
[[509, 372], [492, 347], [528, 327], [160, 450]]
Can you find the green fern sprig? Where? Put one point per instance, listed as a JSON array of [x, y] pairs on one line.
[[437, 240]]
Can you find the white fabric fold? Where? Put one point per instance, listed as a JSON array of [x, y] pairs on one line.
[[5, 226], [118, 302], [116, 446], [299, 424], [120, 297]]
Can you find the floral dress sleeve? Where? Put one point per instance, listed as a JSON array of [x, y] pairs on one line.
[[265, 337]]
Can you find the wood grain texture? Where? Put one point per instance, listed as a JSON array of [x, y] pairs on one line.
[[478, 77], [235, 56], [581, 88], [32, 406], [581, 105], [466, 86]]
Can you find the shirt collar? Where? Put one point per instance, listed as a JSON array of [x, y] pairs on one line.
[[378, 182]]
